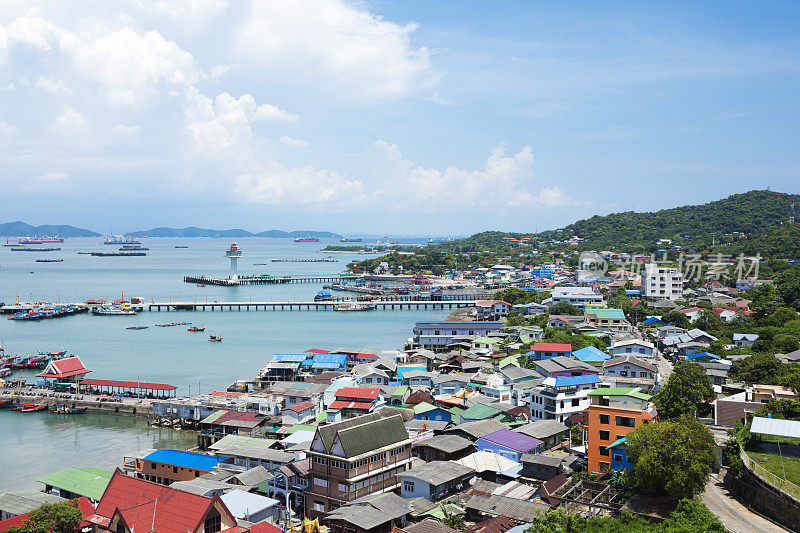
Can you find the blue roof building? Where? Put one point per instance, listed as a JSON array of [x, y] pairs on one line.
[[178, 458], [326, 361], [591, 355]]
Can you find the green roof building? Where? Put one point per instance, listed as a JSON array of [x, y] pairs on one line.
[[77, 481]]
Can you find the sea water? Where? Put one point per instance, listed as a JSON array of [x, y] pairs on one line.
[[164, 354]]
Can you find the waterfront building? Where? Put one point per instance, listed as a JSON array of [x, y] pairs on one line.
[[492, 309], [77, 481], [168, 466], [68, 370], [242, 457], [613, 414], [661, 282], [251, 507], [435, 480], [22, 502], [355, 401], [85, 506], [355, 458]]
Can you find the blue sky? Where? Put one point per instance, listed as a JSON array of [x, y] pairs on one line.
[[389, 117]]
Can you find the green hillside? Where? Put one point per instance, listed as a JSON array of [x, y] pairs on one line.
[[21, 229]]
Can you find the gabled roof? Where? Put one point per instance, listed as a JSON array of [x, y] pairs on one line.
[[542, 429], [571, 381], [437, 472], [477, 428], [510, 439], [551, 347], [166, 510], [590, 353], [299, 407], [480, 412], [81, 480], [633, 392], [445, 443], [358, 392], [64, 368], [363, 433], [632, 360]]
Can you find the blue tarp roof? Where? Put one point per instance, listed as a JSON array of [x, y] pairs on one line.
[[590, 353], [326, 360], [289, 357], [570, 381], [402, 369], [652, 319], [700, 355], [197, 461]]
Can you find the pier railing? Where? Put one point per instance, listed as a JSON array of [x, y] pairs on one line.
[[779, 483]]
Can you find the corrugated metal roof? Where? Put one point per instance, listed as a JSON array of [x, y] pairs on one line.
[[776, 427], [81, 480]]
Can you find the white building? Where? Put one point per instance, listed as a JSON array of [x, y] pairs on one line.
[[559, 397], [637, 347], [437, 335], [661, 282], [577, 296]]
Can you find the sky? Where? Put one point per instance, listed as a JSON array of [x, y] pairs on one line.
[[407, 117]]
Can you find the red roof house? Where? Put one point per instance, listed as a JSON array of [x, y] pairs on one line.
[[130, 504], [546, 350], [70, 369], [358, 400]]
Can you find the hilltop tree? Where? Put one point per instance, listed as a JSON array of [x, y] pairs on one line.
[[673, 457], [687, 387]]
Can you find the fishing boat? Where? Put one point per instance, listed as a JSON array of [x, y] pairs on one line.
[[54, 354], [195, 328], [215, 338], [137, 327], [354, 306], [6, 404], [112, 311], [63, 409], [4, 373], [33, 407]]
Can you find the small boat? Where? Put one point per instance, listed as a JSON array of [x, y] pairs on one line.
[[49, 260], [113, 311], [306, 239], [354, 306], [33, 407], [195, 328], [6, 404], [54, 354], [178, 246], [63, 409], [215, 338], [4, 373], [200, 285], [137, 327]]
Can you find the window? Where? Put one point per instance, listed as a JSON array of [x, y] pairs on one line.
[[576, 402], [604, 467], [319, 506], [623, 373], [342, 487], [604, 435], [174, 469], [603, 451], [626, 421], [213, 522], [643, 374], [152, 466], [604, 419], [618, 458], [320, 482]]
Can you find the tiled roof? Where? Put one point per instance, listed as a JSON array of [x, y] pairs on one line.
[[299, 407], [498, 524], [429, 525], [358, 392], [346, 404], [630, 359], [64, 368], [551, 347], [173, 511], [372, 435]]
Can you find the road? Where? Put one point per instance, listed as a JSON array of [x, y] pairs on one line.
[[734, 516]]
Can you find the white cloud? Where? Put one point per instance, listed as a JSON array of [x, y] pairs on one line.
[[70, 123], [506, 182], [217, 71], [52, 86], [335, 44], [124, 130], [6, 129], [292, 142], [9, 87], [47, 181], [436, 98]]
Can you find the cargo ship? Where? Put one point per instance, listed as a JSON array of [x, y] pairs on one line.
[[40, 240], [119, 239], [350, 239], [306, 239]]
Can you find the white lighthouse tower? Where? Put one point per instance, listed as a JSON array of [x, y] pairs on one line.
[[233, 253]]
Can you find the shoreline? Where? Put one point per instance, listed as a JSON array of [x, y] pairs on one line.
[[138, 407]]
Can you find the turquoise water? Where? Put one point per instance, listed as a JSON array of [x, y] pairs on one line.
[[170, 355]]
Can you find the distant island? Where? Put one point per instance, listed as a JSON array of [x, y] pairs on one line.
[[234, 233], [21, 229]]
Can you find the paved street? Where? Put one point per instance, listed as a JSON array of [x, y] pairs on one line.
[[735, 516]]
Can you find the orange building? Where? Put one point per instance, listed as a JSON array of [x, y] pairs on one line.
[[613, 413]]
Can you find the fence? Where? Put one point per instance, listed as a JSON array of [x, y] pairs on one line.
[[779, 483]]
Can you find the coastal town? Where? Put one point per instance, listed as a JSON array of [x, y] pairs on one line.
[[549, 397]]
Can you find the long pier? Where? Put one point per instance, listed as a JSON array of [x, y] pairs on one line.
[[383, 303], [270, 280]]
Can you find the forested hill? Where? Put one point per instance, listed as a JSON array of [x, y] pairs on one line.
[[21, 229], [754, 213], [750, 212]]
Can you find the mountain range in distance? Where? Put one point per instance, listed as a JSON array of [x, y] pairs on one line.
[[21, 229]]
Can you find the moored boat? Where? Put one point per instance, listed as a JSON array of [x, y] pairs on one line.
[[215, 338], [33, 407], [63, 409], [195, 328]]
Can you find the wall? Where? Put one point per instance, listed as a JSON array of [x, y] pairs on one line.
[[765, 499]]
